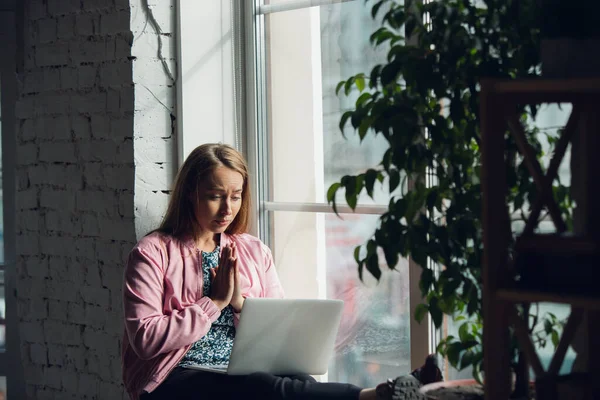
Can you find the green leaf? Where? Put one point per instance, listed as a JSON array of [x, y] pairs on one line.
[[344, 119], [435, 312], [555, 338], [463, 332], [376, 8], [421, 311], [360, 82], [357, 254], [339, 86], [332, 191], [370, 178], [394, 179]]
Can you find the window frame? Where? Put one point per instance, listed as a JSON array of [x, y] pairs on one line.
[[11, 17], [422, 336]]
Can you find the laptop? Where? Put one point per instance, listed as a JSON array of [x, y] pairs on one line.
[[283, 337]]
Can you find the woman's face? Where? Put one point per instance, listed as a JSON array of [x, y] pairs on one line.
[[219, 200]]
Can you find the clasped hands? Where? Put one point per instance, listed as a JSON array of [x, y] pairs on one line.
[[225, 287]]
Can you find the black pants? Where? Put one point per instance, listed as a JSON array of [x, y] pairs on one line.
[[184, 383]]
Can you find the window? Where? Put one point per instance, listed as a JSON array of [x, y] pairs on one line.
[[301, 51]]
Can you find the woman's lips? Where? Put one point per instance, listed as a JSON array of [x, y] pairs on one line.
[[222, 222]]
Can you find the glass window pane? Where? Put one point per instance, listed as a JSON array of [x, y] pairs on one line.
[[314, 258], [309, 51]]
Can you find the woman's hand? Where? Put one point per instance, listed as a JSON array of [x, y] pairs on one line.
[[223, 279], [237, 301]]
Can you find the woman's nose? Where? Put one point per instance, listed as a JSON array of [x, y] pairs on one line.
[[226, 207]]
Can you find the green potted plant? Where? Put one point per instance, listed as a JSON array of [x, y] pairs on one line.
[[425, 102]]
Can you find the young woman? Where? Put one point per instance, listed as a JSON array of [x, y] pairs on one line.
[[185, 285]]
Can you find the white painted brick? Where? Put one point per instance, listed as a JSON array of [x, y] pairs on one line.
[[153, 98], [85, 248], [33, 375], [66, 176], [62, 333], [127, 102], [70, 381], [98, 201], [111, 390], [50, 103], [65, 26], [36, 9], [59, 270], [77, 272], [38, 174], [123, 43], [57, 354], [152, 70], [114, 326], [31, 332], [112, 275], [52, 54], [119, 177], [116, 73], [22, 181], [76, 357], [57, 290], [95, 296], [122, 228], [96, 317], [58, 152], [126, 204], [68, 78], [58, 310], [113, 100], [100, 126], [61, 7], [37, 267], [154, 125], [92, 275], [121, 127], [33, 310], [88, 50], [25, 107], [93, 102], [27, 153], [54, 245], [27, 199], [32, 82], [87, 24], [76, 312], [50, 79], [91, 5], [52, 377], [82, 128], [93, 175], [88, 385], [154, 176], [54, 128], [47, 30], [113, 23], [38, 354], [27, 129], [90, 225], [87, 76], [27, 244], [57, 199], [29, 220], [98, 150]]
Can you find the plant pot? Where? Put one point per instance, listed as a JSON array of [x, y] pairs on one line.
[[570, 57]]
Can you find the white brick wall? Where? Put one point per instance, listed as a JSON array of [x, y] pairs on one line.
[[95, 159]]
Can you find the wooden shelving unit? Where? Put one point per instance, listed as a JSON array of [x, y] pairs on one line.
[[501, 294]]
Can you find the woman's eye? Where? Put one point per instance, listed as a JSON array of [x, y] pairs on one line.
[[237, 198], [214, 197]]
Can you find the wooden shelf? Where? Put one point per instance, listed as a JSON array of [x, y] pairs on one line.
[[529, 296], [544, 90]]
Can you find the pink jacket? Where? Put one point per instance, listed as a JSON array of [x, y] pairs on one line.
[[164, 307]]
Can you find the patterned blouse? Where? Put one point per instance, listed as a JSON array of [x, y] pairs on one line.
[[214, 348]]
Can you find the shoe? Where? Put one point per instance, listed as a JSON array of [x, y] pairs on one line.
[[405, 387]]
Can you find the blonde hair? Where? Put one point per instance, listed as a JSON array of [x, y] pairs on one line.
[[180, 219]]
